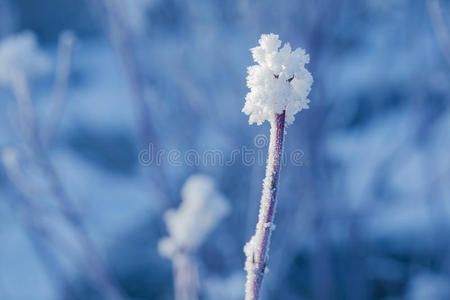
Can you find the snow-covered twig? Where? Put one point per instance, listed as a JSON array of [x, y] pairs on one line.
[[121, 39], [439, 26], [279, 86], [65, 46], [21, 60], [257, 248], [33, 225], [202, 209]]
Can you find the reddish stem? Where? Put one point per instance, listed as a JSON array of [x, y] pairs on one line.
[[264, 228], [186, 277]]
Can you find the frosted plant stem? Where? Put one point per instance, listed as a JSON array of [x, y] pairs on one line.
[[186, 277], [279, 86], [439, 27], [65, 48], [122, 43], [94, 263], [257, 249]]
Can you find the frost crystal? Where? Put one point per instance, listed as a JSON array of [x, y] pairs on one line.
[[202, 208], [20, 54], [278, 82]]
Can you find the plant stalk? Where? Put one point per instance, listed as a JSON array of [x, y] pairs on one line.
[[257, 249], [186, 277]]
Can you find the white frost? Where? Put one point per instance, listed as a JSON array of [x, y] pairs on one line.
[[20, 54], [278, 82], [202, 208]]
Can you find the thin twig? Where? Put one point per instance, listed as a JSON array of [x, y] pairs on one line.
[[439, 27], [34, 227], [65, 48], [97, 269], [186, 277], [122, 42]]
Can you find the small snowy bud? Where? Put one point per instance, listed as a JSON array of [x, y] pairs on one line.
[[20, 54], [278, 82], [202, 208], [167, 247]]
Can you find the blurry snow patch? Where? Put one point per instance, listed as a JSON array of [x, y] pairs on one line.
[[22, 274], [101, 100], [364, 151], [110, 204], [401, 220], [386, 174], [428, 286], [20, 54], [201, 210], [230, 288]]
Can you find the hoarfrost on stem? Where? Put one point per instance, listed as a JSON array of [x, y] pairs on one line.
[[20, 56], [278, 82], [279, 86], [202, 208]]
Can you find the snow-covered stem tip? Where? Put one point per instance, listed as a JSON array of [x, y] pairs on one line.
[[279, 85]]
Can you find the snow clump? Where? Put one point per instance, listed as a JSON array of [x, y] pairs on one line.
[[20, 56], [201, 210], [279, 81]]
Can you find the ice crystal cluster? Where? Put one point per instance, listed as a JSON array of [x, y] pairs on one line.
[[202, 208], [20, 55], [279, 81]]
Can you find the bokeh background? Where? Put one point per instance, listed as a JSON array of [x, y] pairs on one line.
[[365, 216]]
